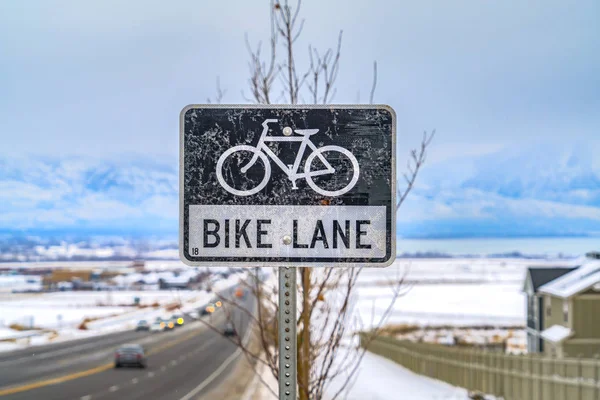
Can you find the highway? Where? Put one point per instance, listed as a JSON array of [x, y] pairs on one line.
[[183, 364]]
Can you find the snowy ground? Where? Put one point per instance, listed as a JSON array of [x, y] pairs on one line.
[[444, 292], [449, 293], [381, 379], [8, 283], [445, 304], [457, 292], [454, 292], [497, 270], [150, 265], [59, 314], [68, 309], [377, 379], [449, 270]]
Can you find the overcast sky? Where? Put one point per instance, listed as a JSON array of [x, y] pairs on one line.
[[512, 88], [106, 77]]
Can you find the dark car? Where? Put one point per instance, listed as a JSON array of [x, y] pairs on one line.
[[142, 325], [130, 354], [178, 319], [229, 330]]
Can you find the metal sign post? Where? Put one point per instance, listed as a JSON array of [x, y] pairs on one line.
[[287, 186], [287, 333]]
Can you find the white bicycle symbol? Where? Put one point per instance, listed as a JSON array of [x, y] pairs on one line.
[[262, 150]]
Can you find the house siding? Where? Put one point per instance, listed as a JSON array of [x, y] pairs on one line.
[[535, 315], [556, 318], [587, 350], [582, 320], [586, 321]]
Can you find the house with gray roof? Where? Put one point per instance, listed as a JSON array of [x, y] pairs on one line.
[[534, 279], [571, 304]]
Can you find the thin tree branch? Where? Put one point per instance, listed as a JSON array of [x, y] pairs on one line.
[[374, 82], [418, 160]]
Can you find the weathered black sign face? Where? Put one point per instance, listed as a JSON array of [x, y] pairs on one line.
[[287, 186]]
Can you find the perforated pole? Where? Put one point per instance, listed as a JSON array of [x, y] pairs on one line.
[[287, 333]]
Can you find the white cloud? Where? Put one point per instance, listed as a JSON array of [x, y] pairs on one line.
[[550, 209], [61, 193], [28, 219], [17, 193], [454, 151], [498, 187], [163, 206], [481, 205], [98, 207]]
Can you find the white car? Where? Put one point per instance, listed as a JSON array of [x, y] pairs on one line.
[[157, 327]]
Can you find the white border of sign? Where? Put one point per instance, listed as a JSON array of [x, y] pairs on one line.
[[250, 264]]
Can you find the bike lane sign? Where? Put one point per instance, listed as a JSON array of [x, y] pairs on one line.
[[287, 185]]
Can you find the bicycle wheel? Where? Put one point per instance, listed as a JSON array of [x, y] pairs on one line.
[[249, 182], [346, 174]]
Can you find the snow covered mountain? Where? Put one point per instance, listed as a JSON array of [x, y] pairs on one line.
[[527, 190], [543, 189], [131, 195]]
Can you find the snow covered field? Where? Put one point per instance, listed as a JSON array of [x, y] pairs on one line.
[[68, 309], [59, 314], [457, 270], [377, 379], [440, 292], [8, 283], [381, 379], [455, 292], [447, 304]]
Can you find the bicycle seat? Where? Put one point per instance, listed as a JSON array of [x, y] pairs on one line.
[[306, 132]]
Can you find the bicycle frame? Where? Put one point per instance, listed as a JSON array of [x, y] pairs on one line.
[[290, 171]]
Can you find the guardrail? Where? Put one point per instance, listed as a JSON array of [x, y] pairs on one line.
[[512, 377]]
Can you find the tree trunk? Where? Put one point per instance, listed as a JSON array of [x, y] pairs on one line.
[[304, 353]]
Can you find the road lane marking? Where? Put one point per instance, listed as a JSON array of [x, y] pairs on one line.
[[92, 371], [101, 368], [67, 350], [174, 362], [150, 374], [218, 371], [113, 388], [134, 380], [54, 381], [212, 376], [88, 397], [163, 368], [172, 343]]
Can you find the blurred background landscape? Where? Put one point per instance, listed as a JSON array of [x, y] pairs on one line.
[[89, 189]]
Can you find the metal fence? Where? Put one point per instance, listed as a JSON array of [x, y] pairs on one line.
[[512, 377]]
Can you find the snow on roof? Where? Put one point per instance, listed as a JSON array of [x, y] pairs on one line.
[[556, 333], [574, 282], [541, 275]]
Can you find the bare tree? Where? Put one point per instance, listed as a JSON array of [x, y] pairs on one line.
[[219, 94], [326, 318]]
